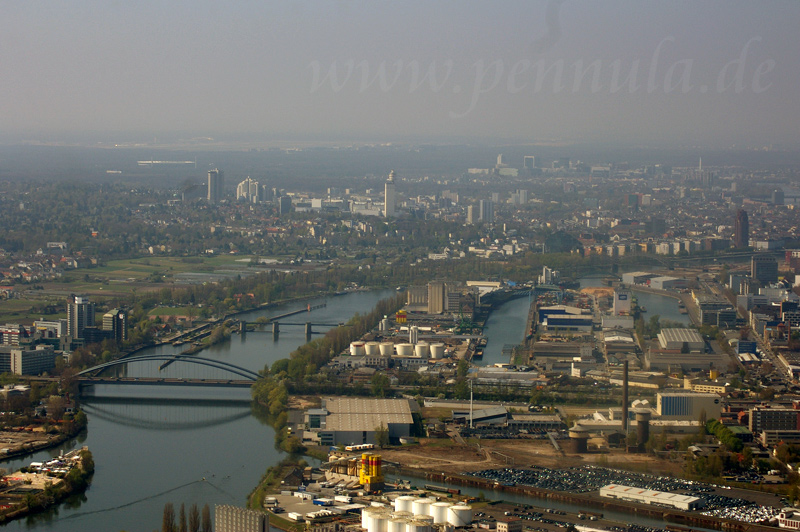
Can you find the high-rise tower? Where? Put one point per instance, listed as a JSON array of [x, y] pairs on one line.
[[389, 197], [741, 236], [80, 314], [215, 182]]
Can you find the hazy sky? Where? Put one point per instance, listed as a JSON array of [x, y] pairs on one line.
[[705, 72]]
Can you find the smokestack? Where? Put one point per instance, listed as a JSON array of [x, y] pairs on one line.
[[625, 397]]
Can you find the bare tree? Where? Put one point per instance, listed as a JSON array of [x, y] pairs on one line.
[[194, 518], [168, 520], [182, 519], [206, 519]]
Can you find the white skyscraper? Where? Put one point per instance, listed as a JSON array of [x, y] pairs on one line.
[[389, 197], [248, 190]]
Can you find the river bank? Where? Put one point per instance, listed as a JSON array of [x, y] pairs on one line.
[[36, 488], [595, 501]]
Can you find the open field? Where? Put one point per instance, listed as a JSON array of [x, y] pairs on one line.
[[451, 457], [114, 280]]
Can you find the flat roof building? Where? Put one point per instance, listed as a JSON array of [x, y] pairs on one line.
[[680, 338], [352, 421]]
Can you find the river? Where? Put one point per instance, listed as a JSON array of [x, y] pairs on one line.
[[505, 326], [154, 445]]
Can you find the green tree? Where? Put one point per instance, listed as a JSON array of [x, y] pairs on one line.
[[382, 435], [380, 384]]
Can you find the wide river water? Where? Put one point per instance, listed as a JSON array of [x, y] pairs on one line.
[[154, 445]]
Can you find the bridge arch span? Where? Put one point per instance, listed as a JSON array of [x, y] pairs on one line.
[[217, 364]]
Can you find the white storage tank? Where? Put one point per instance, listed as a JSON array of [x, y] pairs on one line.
[[413, 334], [402, 514], [437, 350], [365, 515], [385, 324], [459, 515], [421, 350], [372, 348], [418, 526], [380, 523], [398, 524], [405, 350], [357, 348], [421, 506], [439, 512], [387, 349], [404, 503], [424, 518]]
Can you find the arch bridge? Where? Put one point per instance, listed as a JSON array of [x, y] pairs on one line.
[[244, 374]]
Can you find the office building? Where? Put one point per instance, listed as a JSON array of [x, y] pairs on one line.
[[741, 232], [773, 419], [471, 216], [529, 162], [764, 268], [215, 185], [486, 211], [27, 361], [116, 321], [389, 197], [284, 205], [248, 190], [229, 518], [80, 314]]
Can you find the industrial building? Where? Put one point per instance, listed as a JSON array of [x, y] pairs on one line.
[[688, 405], [681, 339], [668, 283], [347, 421], [229, 518], [637, 277], [652, 497]]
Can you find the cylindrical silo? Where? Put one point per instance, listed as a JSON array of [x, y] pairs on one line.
[[387, 349], [356, 348], [418, 526], [381, 522], [372, 348], [459, 515], [405, 350], [402, 514], [404, 503], [365, 515], [398, 524], [439, 512], [421, 350], [421, 506], [424, 518], [437, 350]]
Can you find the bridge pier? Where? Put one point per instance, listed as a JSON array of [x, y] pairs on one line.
[[242, 326], [308, 329], [276, 329]]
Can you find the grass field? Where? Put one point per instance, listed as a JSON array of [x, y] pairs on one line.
[[116, 279]]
